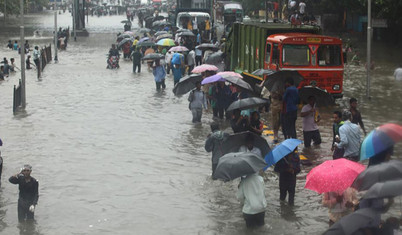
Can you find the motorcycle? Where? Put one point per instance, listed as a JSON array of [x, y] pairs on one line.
[[113, 62]]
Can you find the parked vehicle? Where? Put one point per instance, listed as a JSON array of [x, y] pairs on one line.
[[318, 58]]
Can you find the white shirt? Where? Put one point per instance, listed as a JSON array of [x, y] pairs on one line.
[[254, 150], [191, 58], [36, 54], [168, 57], [308, 121], [302, 7], [398, 74], [251, 193]]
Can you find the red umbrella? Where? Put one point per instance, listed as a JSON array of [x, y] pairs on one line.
[[204, 67], [333, 175]]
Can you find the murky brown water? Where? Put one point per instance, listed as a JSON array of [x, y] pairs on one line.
[[115, 157]]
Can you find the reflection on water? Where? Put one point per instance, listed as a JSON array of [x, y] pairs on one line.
[[114, 156]]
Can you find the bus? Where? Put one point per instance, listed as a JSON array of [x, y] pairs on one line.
[[318, 58]]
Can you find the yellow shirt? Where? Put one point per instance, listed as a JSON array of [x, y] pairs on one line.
[[207, 25], [135, 42]]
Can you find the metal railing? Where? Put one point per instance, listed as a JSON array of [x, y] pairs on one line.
[[17, 101], [46, 57]]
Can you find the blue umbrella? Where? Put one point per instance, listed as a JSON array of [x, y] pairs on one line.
[[280, 151]]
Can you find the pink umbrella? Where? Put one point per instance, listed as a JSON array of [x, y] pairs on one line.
[[229, 74], [178, 49], [333, 175], [204, 67]]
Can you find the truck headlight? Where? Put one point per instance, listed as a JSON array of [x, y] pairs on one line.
[[336, 87]]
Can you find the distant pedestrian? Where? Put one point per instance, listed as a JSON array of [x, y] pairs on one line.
[[28, 62], [310, 120], [36, 56], [302, 8], [10, 45], [177, 73], [288, 167], [250, 147], [214, 144], [1, 165], [190, 61], [290, 101], [337, 118], [239, 123], [398, 73], [356, 116], [349, 140], [28, 195], [197, 100], [340, 204], [168, 61], [276, 109], [159, 73], [198, 57], [251, 194], [222, 96], [136, 58], [256, 126], [15, 46]]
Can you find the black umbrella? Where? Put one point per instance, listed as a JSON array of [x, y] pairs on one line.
[[235, 165], [262, 72], [161, 23], [125, 22], [162, 36], [277, 79], [322, 97], [239, 82], [186, 84], [214, 58], [146, 44], [153, 56], [248, 103], [159, 17], [235, 141], [391, 188], [124, 41], [186, 33], [207, 46], [121, 36], [353, 222], [183, 30], [160, 33], [144, 30], [391, 170]]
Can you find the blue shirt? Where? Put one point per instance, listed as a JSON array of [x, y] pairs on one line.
[[176, 74], [349, 134], [159, 73], [291, 97]]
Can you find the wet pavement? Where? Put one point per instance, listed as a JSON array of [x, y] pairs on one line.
[[113, 156]]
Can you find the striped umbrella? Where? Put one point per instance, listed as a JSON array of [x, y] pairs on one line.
[[380, 139], [167, 42]]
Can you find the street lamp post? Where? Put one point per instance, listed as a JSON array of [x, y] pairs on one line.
[[368, 65], [55, 32], [22, 49]]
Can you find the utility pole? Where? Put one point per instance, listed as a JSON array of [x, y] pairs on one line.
[[55, 32], [5, 11], [74, 12], [368, 48], [22, 47]]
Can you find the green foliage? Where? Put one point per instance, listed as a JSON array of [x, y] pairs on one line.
[[13, 6]]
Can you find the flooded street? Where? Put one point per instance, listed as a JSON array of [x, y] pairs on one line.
[[113, 156]]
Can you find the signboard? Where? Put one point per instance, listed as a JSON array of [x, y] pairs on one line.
[[379, 23]]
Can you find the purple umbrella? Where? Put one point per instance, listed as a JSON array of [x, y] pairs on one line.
[[212, 79], [144, 39]]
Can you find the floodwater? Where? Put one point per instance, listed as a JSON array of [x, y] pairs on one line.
[[113, 156]]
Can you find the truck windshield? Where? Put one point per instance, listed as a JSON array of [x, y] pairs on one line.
[[296, 55], [329, 55]]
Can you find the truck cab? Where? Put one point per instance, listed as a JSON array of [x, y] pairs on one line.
[[317, 58]]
